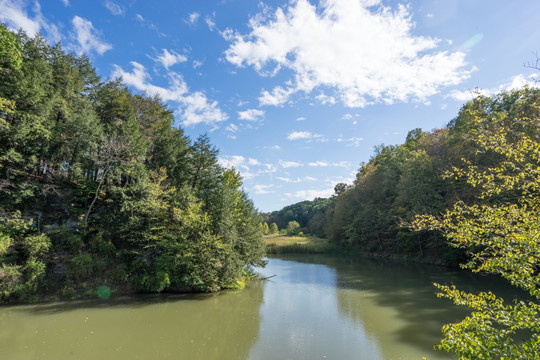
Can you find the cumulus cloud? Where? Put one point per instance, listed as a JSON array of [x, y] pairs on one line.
[[193, 18], [194, 107], [251, 115], [319, 163], [311, 194], [325, 99], [15, 15], [516, 82], [352, 141], [248, 167], [170, 58], [298, 135], [65, 2], [261, 189], [232, 161], [88, 38], [114, 8], [362, 52], [277, 97], [322, 163], [290, 164], [297, 180]]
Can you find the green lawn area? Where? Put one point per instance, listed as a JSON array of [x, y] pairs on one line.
[[283, 244]]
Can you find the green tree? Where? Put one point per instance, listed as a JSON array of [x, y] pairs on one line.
[[10, 61], [500, 232], [264, 228], [293, 228], [273, 229], [122, 194], [23, 254]]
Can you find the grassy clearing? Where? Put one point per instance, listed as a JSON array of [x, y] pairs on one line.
[[282, 244]]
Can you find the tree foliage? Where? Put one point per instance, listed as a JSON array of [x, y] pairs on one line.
[[111, 189], [500, 231], [293, 228]]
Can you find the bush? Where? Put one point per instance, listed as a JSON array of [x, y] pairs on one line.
[[80, 267], [293, 228], [64, 238]]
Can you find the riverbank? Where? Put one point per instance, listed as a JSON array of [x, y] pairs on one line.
[[306, 244], [309, 244]]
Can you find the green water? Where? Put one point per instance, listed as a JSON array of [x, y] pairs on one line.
[[315, 307]]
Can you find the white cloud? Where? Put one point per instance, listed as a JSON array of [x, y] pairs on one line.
[[311, 194], [15, 16], [149, 25], [516, 82], [466, 95], [352, 117], [251, 114], [301, 118], [65, 2], [114, 8], [88, 37], [194, 107], [198, 110], [297, 180], [232, 128], [211, 24], [289, 164], [340, 179], [263, 189], [322, 163], [344, 164], [364, 54], [193, 18], [297, 135], [325, 99], [248, 167], [197, 63], [279, 96], [170, 58], [232, 161], [352, 141], [318, 163]]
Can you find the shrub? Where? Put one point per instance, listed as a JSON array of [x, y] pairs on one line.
[[80, 267]]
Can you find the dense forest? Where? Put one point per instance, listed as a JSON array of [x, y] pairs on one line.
[[399, 182], [99, 188]]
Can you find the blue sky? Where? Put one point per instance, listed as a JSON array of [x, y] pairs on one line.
[[296, 94]]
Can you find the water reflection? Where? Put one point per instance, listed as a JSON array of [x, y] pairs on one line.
[[223, 326], [360, 308], [316, 307]]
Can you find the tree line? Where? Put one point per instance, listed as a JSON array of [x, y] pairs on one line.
[[467, 194], [99, 187], [401, 181]]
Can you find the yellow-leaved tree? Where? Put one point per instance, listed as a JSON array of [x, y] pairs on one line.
[[501, 231]]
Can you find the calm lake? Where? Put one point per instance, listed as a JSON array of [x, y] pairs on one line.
[[316, 307]]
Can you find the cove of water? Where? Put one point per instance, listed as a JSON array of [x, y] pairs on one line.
[[315, 307]]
